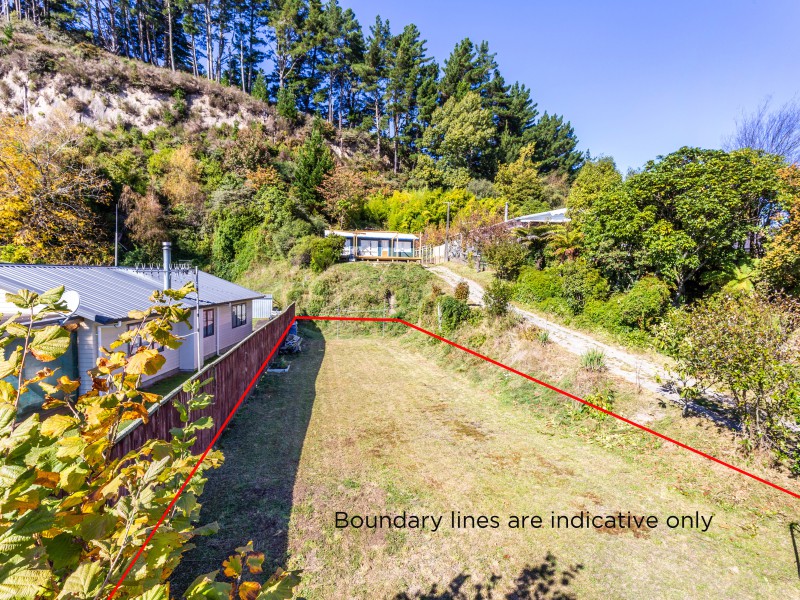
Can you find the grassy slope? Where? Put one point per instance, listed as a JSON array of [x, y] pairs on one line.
[[646, 475], [380, 425]]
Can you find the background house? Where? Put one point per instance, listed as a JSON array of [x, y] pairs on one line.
[[107, 294], [378, 245]]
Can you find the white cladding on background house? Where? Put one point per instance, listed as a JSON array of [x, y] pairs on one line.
[[100, 299]]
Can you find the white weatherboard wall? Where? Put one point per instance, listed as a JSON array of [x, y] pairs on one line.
[[228, 336]]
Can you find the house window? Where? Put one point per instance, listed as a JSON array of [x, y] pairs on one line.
[[369, 247], [403, 248], [137, 342], [239, 315], [208, 323]]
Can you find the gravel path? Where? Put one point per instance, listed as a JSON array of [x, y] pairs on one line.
[[639, 370]]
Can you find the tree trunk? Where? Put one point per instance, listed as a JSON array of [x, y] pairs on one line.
[[113, 27], [100, 37], [194, 56], [221, 41], [88, 12], [209, 43], [139, 27], [128, 35], [396, 122], [378, 124], [241, 63], [169, 35], [330, 99]]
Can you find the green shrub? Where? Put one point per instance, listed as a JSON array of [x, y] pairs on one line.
[[507, 258], [594, 360], [645, 302], [325, 252], [536, 285], [543, 337], [496, 297], [300, 254], [582, 283], [462, 291], [287, 104], [285, 238], [605, 313], [452, 313], [604, 399]]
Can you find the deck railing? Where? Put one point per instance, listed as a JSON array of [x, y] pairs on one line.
[[230, 375]]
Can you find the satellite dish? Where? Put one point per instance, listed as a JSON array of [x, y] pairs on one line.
[[73, 300]]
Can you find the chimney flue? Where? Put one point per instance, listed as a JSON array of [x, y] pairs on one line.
[[167, 248]]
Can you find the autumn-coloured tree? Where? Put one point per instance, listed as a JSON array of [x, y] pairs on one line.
[[145, 220], [72, 517], [181, 181], [344, 192], [46, 195]]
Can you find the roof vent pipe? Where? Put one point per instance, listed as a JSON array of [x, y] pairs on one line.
[[167, 247]]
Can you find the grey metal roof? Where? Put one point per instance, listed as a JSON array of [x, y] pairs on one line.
[[550, 216], [108, 293]]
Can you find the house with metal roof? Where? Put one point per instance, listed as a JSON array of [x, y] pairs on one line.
[[557, 216], [378, 245], [222, 312]]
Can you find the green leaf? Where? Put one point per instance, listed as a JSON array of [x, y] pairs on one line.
[[10, 366], [50, 343], [160, 592], [205, 586], [12, 542], [280, 586], [9, 474], [84, 582], [16, 330], [7, 411], [53, 296], [97, 527], [23, 299], [63, 551], [203, 423], [34, 521], [22, 583]]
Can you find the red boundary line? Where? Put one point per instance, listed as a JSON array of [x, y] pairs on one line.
[[455, 345]]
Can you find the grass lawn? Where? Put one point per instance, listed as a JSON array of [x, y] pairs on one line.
[[370, 425]]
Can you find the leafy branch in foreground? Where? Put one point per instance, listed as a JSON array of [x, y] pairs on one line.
[[71, 517]]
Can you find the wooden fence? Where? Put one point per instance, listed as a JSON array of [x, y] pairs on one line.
[[230, 374]]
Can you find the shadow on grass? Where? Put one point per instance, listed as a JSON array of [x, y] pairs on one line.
[[251, 495], [542, 582]]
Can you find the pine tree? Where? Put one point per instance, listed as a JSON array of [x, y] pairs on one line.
[[314, 161], [555, 145], [259, 89], [372, 73]]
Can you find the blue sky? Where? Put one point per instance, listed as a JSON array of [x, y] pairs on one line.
[[636, 79]]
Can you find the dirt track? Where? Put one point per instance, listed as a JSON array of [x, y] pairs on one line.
[[631, 367]]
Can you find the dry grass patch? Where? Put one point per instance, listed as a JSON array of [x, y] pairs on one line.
[[377, 426]]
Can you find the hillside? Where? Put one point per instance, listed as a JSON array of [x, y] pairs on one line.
[[43, 71]]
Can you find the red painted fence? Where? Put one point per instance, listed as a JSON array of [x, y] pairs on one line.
[[230, 376]]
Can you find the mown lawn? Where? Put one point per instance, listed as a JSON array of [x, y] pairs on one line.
[[369, 425]]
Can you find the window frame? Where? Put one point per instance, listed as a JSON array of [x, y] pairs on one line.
[[236, 319], [137, 342], [209, 328]]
